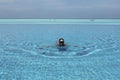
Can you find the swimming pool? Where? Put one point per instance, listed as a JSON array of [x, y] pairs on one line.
[[28, 51]]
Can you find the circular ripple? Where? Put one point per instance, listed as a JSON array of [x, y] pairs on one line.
[[65, 51]]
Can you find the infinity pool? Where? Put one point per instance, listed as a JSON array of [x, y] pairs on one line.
[[28, 51]]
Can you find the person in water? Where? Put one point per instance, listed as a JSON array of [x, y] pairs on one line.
[[61, 43]]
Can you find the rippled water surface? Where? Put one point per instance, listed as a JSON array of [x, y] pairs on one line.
[[28, 52]]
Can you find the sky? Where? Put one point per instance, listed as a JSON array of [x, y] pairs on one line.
[[60, 9]]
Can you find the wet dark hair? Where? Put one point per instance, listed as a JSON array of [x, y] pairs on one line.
[[61, 40]]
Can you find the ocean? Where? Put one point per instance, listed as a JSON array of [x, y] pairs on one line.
[[28, 49]]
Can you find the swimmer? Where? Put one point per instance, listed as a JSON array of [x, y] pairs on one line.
[[61, 43]]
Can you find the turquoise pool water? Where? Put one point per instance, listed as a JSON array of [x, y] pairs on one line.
[[28, 51]]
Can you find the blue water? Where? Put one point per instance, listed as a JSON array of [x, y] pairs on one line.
[[28, 52]]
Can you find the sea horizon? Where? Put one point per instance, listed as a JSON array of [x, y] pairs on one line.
[[60, 21]]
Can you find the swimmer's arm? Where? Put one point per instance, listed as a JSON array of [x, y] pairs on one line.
[[77, 46], [42, 47]]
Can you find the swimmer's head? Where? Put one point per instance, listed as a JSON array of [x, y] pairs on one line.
[[61, 42]]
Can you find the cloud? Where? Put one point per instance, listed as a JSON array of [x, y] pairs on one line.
[[59, 8]]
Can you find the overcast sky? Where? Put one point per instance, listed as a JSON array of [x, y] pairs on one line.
[[59, 8]]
